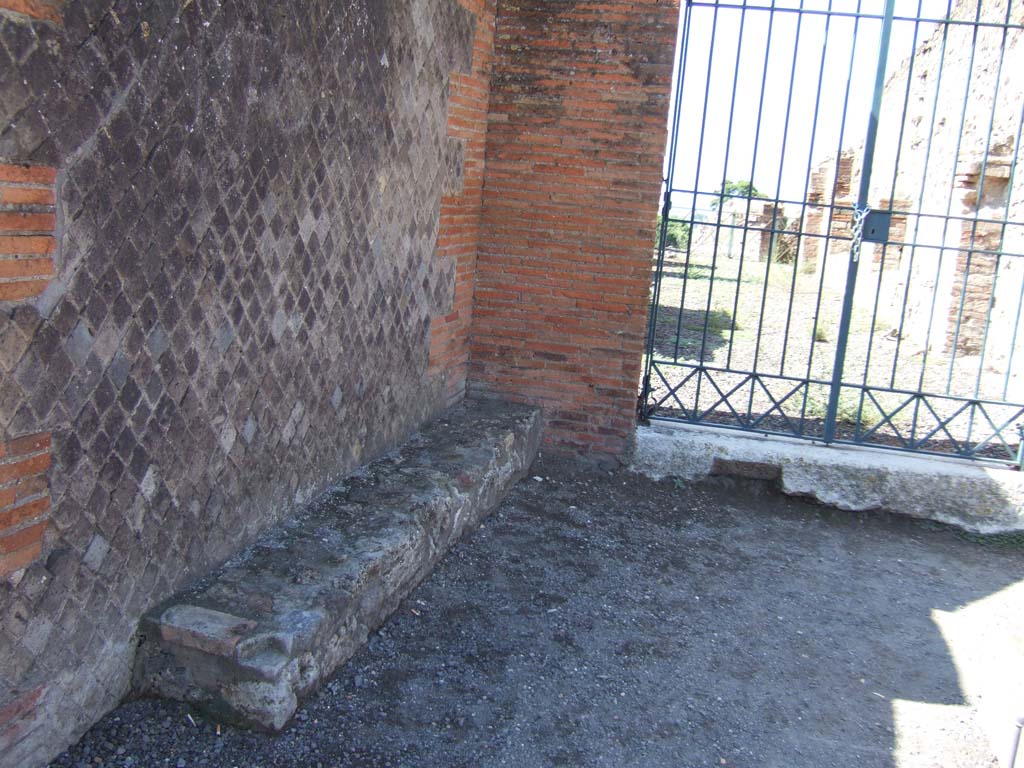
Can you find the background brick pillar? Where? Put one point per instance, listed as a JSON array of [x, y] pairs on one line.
[[982, 189], [576, 136]]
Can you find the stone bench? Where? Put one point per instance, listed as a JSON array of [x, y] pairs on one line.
[[249, 641]]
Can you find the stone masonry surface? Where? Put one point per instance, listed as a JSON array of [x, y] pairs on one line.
[[249, 641], [575, 142], [246, 217]]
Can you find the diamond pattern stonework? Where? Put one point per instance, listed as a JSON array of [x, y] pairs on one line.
[[247, 201]]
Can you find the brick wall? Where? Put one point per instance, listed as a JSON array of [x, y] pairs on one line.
[[27, 223], [575, 142], [459, 227], [24, 500], [45, 10], [226, 305]]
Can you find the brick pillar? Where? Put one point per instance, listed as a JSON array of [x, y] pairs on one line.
[[459, 226], [770, 217], [843, 189], [984, 195], [811, 246], [575, 142], [897, 233], [844, 198], [831, 183]]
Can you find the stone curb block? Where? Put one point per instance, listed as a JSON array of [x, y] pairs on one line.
[[248, 642], [976, 497]]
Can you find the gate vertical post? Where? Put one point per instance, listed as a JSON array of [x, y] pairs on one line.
[[644, 408], [652, 319], [862, 204]]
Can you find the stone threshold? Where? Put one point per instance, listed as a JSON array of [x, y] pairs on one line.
[[247, 643], [981, 498]]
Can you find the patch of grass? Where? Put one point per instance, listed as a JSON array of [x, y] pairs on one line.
[[698, 271], [718, 321], [861, 323], [847, 410]]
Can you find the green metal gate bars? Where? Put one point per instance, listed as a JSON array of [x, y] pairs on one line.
[[840, 251]]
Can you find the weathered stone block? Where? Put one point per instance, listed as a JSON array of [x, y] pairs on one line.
[[202, 629], [248, 642]]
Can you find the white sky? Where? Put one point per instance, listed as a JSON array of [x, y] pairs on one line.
[[780, 168]]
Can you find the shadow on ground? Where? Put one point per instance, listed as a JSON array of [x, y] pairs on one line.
[[601, 619], [681, 334]]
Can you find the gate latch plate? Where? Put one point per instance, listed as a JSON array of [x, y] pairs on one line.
[[876, 227]]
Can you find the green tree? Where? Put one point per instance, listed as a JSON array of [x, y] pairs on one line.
[[676, 234], [737, 189]]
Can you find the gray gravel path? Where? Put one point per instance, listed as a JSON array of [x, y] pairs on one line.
[[600, 619]]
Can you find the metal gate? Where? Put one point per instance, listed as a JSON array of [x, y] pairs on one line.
[[840, 251]]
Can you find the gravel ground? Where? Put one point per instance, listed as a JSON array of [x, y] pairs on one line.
[[600, 619]]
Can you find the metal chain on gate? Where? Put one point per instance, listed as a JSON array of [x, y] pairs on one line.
[[857, 233]]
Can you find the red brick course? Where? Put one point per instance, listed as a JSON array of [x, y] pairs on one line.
[[577, 129], [19, 717], [27, 245], [459, 226], [24, 500], [45, 10], [27, 223]]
